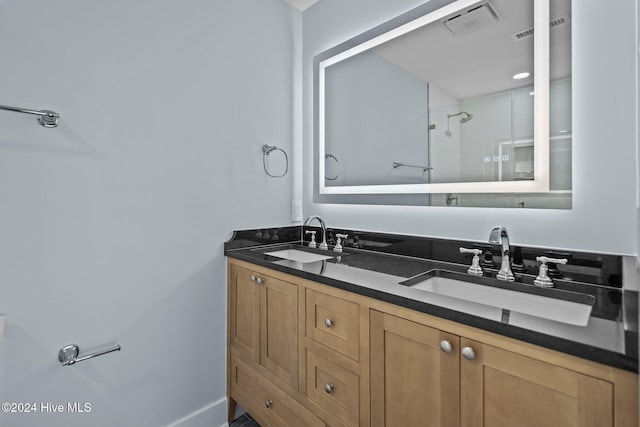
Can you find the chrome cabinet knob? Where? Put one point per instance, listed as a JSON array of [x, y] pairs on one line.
[[328, 322], [328, 388], [253, 278], [268, 403], [468, 353], [445, 346], [259, 280]]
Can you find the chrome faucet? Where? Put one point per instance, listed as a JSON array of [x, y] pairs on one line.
[[499, 236], [323, 244]]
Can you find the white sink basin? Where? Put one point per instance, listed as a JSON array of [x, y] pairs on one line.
[[553, 304], [298, 255]]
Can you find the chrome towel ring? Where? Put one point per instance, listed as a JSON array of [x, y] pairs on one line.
[[266, 151], [331, 156]]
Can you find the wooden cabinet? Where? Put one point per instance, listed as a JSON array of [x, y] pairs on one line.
[[333, 322], [422, 375], [244, 312], [277, 373], [333, 387], [331, 357], [304, 354], [269, 404], [501, 389], [263, 348], [263, 322], [413, 382]]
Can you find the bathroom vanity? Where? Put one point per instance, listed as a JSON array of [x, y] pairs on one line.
[[324, 338]]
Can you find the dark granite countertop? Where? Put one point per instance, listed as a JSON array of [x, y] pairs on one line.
[[374, 265]]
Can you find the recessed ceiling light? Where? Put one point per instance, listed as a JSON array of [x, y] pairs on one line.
[[520, 76]]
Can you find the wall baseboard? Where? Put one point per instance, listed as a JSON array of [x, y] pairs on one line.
[[207, 416]]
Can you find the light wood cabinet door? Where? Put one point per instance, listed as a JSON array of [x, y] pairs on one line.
[[504, 389], [413, 381], [279, 331], [244, 312], [263, 322]]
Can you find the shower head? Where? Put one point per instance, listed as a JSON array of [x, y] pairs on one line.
[[465, 119]]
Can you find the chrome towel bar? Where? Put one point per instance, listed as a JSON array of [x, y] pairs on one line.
[[68, 355], [397, 165], [47, 118]]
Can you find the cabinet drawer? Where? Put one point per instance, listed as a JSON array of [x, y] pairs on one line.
[[334, 388], [270, 405], [333, 322]]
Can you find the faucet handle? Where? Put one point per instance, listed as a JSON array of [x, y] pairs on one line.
[[338, 246], [475, 268], [544, 260], [312, 243], [543, 279]]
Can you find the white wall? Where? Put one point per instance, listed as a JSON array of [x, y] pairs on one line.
[[604, 217], [398, 116], [112, 224]]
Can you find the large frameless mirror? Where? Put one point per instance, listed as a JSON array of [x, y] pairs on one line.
[[462, 103]]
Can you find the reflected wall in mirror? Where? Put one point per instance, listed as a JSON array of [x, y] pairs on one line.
[[426, 109]]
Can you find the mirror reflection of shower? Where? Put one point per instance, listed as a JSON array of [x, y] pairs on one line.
[[467, 117]]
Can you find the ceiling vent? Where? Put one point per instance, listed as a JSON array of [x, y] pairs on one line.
[[471, 20], [555, 23]]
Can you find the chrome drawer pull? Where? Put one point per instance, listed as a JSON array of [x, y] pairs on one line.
[[328, 322], [328, 388], [268, 403]]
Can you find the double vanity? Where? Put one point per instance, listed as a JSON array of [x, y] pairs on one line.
[[382, 330]]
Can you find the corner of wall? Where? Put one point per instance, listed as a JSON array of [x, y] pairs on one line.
[[207, 416]]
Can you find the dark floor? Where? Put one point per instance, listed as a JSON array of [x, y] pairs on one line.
[[244, 421]]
